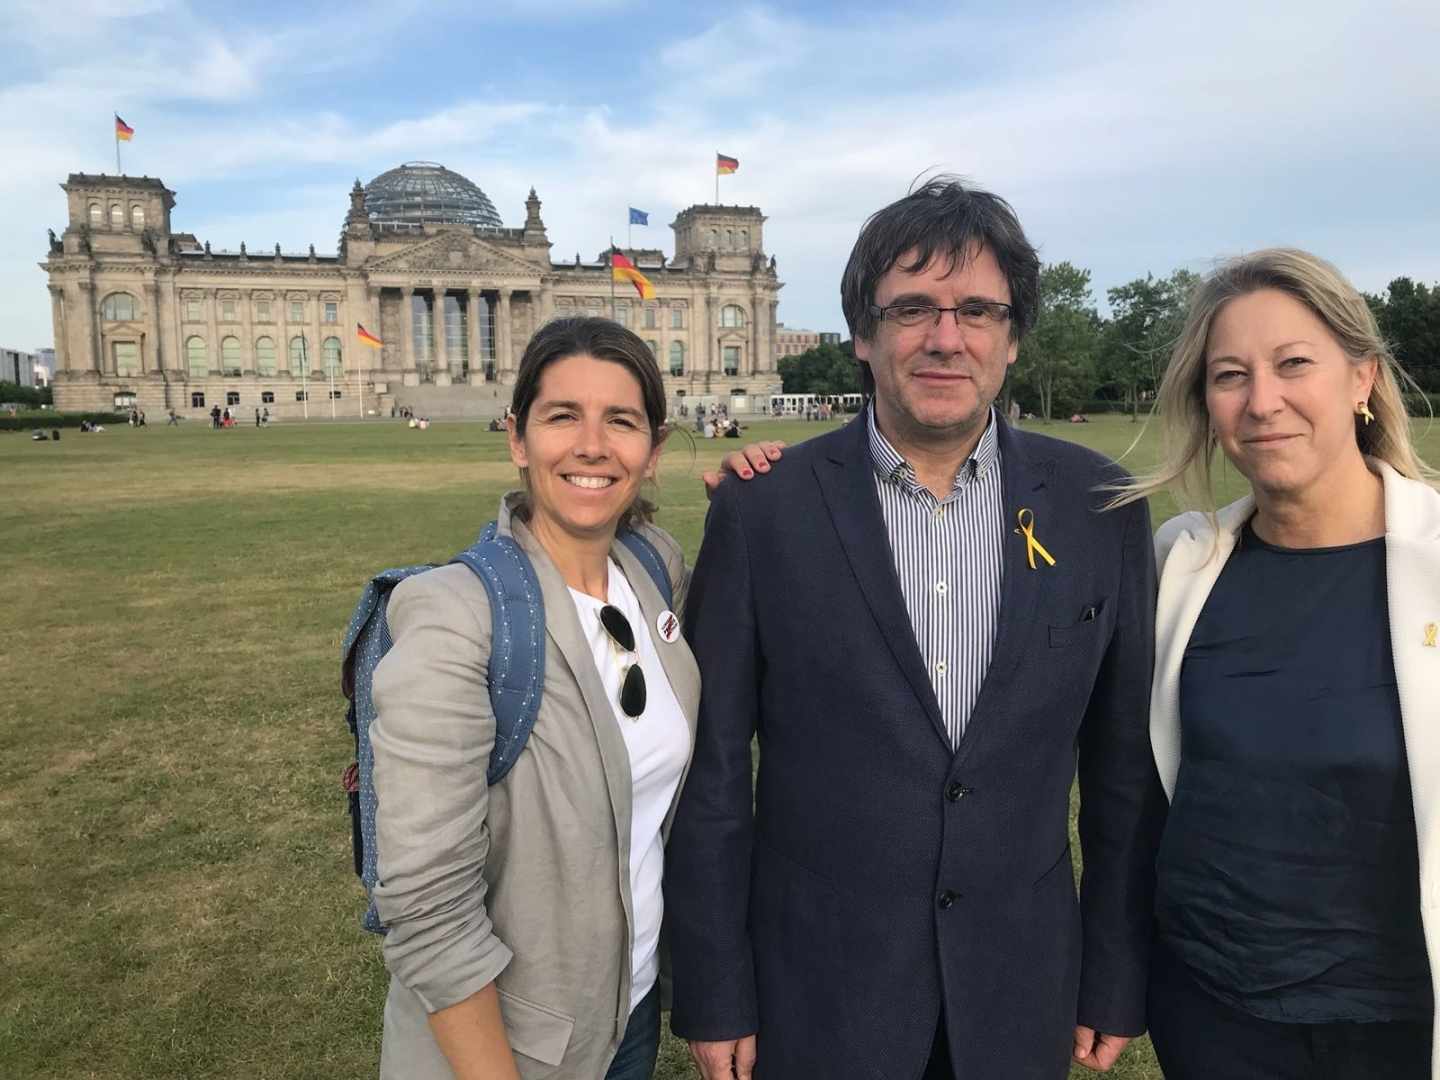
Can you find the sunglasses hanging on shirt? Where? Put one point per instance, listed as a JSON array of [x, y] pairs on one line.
[[632, 684]]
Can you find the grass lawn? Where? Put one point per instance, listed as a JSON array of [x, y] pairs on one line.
[[176, 898]]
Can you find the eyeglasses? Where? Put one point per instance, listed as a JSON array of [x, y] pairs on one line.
[[980, 314], [632, 684]]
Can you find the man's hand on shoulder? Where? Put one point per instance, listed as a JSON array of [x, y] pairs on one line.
[[1096, 1050], [716, 1060], [754, 458]]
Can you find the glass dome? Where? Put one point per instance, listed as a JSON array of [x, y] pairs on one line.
[[424, 192]]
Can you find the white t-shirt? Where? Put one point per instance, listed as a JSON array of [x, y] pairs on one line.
[[659, 744]]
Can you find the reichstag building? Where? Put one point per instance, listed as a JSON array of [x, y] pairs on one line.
[[149, 317]]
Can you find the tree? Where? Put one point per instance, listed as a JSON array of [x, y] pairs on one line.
[[1057, 356], [1409, 318], [825, 369], [1146, 318]]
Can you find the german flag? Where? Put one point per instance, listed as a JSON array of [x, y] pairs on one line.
[[724, 166], [622, 269], [367, 338], [123, 131]]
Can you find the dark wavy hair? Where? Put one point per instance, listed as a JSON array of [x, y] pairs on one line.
[[940, 219], [603, 339]]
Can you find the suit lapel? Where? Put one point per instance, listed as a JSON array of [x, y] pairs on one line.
[[847, 483], [1189, 573], [1412, 572], [1024, 481]]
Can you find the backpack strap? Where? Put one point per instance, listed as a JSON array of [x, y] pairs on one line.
[[650, 558], [517, 642]]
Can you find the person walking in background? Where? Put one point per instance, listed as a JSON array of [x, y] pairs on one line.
[[1294, 709], [524, 920], [922, 616], [174, 420], [215, 417]]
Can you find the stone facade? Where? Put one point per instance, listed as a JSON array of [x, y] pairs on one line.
[[146, 314]]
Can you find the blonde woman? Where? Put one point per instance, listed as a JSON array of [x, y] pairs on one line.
[[1295, 713]]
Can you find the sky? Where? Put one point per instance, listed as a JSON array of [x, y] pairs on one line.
[[1131, 138]]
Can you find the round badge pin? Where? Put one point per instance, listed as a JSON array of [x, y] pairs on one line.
[[668, 626]]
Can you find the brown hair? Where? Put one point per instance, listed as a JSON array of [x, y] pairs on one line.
[[604, 340]]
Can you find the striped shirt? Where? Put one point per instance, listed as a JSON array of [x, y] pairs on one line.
[[948, 557]]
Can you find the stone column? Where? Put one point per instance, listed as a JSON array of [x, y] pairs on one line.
[[505, 363], [150, 350], [316, 352], [87, 352], [546, 311], [712, 332], [57, 321], [440, 371], [212, 333], [474, 362], [248, 363], [478, 357], [282, 331], [409, 376]]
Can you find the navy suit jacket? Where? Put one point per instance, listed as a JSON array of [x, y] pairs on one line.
[[884, 882]]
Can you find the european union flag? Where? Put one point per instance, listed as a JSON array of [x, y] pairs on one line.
[[639, 217]]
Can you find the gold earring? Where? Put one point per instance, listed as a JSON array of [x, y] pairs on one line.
[[1362, 408]]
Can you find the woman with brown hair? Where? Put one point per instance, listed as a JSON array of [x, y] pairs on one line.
[[524, 918]]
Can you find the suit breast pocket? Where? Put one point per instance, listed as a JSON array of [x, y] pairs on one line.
[[1092, 621]]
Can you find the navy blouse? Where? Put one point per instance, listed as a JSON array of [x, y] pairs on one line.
[[1288, 872]]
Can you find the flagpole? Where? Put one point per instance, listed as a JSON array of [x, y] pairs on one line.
[[116, 127], [717, 177], [332, 389], [612, 279], [305, 376]]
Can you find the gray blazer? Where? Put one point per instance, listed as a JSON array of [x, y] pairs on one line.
[[526, 884]]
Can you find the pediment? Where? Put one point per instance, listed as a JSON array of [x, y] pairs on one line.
[[457, 251]]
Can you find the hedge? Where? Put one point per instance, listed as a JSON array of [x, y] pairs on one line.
[[47, 420]]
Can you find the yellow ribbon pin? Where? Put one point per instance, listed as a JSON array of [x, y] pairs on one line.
[[1032, 546], [1430, 629]]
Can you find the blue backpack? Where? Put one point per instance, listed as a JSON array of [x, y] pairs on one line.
[[516, 669]]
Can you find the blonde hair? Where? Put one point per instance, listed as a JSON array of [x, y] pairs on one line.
[[1187, 445]]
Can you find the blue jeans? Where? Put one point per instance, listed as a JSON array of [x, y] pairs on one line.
[[635, 1060]]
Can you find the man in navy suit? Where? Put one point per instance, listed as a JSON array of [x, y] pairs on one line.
[[927, 620]]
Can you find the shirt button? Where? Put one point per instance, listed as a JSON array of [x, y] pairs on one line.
[[956, 791], [940, 667], [941, 587], [947, 899], [940, 512]]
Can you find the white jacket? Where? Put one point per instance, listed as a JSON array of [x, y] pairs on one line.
[[1189, 555]]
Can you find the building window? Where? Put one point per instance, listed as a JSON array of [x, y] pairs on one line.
[[137, 216], [97, 215], [262, 311], [622, 314], [302, 395], [650, 318], [732, 316], [731, 358], [124, 401], [335, 395], [299, 356], [227, 310], [677, 358], [232, 397], [654, 348], [332, 311], [127, 358], [457, 329], [267, 397], [330, 355], [194, 309], [677, 318], [230, 356], [197, 401], [265, 356], [118, 307], [297, 310], [117, 216], [195, 357]]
